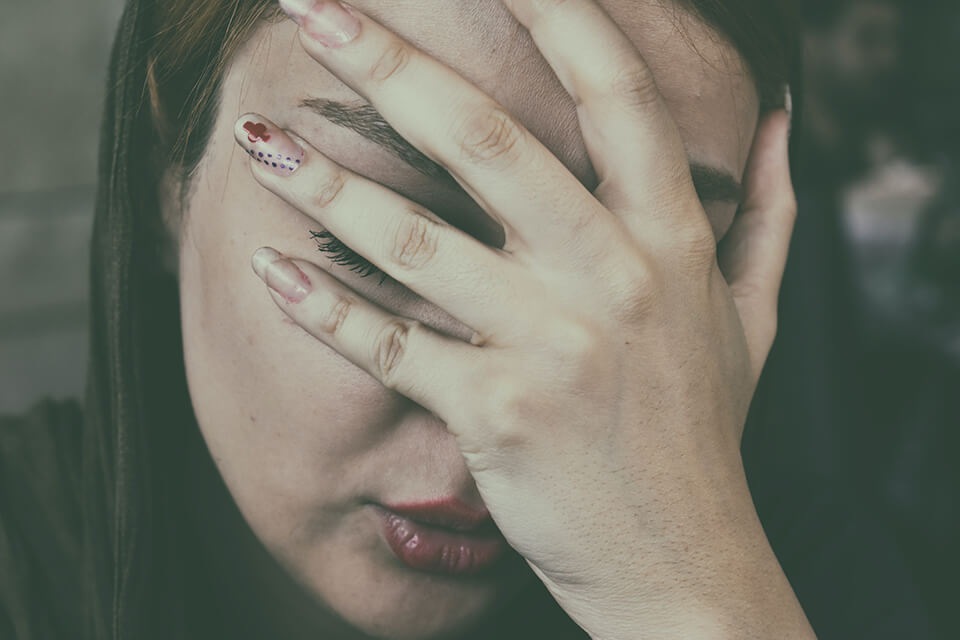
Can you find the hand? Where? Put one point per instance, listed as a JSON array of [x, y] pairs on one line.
[[600, 402]]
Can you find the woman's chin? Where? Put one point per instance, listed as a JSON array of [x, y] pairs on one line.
[[405, 605], [374, 591]]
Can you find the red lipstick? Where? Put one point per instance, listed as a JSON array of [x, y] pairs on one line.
[[442, 536], [447, 512]]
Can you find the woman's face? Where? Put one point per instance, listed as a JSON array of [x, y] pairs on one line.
[[306, 442]]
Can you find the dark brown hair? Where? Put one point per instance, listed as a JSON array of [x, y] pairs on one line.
[[166, 68]]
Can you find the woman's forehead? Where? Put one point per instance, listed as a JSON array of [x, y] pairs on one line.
[[711, 96]]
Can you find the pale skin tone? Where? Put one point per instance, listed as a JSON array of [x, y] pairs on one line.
[[585, 373]]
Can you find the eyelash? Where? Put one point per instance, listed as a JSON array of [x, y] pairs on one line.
[[343, 255]]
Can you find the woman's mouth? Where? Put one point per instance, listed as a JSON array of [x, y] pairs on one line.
[[444, 536]]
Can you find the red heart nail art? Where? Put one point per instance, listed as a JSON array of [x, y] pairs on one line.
[[256, 131], [268, 144]]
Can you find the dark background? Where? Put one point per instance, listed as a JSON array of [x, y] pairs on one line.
[[861, 396], [866, 375]]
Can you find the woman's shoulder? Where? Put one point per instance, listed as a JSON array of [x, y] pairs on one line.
[[40, 467]]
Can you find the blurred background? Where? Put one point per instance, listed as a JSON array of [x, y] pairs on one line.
[[52, 86], [862, 390], [871, 310]]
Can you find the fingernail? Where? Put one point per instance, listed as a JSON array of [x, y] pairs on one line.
[[788, 105], [268, 144], [327, 21], [281, 275], [296, 9]]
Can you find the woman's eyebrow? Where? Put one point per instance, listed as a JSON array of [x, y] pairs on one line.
[[712, 184], [362, 118]]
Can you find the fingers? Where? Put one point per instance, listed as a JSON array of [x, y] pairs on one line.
[[632, 139], [754, 253], [402, 354], [410, 244], [511, 174]]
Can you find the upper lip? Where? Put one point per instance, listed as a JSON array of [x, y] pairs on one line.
[[451, 513]]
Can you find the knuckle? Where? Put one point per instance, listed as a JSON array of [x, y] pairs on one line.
[[414, 241], [770, 326], [789, 205], [391, 62], [329, 189], [510, 405], [698, 243], [762, 332], [489, 134], [753, 290], [773, 328], [337, 316], [544, 6], [635, 87], [574, 342], [639, 290], [390, 347]]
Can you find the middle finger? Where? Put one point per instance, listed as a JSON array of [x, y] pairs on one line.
[[509, 173]]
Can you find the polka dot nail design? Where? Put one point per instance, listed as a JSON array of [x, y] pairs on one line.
[[268, 144]]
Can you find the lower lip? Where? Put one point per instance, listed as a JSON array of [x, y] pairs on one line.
[[436, 550]]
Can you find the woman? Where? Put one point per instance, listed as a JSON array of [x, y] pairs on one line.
[[517, 427]]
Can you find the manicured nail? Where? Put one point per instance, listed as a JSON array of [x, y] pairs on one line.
[[788, 105], [327, 21], [281, 275], [268, 144]]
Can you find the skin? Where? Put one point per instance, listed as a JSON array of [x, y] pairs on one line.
[[304, 428]]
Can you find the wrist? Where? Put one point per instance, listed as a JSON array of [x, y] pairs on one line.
[[739, 598], [712, 574]]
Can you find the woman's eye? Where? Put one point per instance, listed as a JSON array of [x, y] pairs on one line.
[[341, 254]]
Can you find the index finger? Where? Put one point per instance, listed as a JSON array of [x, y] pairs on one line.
[[509, 173]]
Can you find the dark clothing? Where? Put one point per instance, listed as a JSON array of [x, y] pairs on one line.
[[40, 522]]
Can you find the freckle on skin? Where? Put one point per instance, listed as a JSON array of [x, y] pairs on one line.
[[253, 418]]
